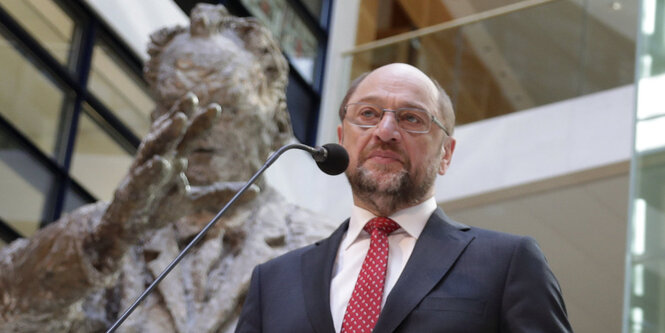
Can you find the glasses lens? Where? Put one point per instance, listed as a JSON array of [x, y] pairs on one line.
[[364, 114], [413, 120]]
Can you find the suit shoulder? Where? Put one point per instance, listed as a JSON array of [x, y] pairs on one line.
[[504, 241], [287, 258], [480, 233], [499, 235]]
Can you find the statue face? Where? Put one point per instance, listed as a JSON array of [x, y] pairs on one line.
[[219, 69]]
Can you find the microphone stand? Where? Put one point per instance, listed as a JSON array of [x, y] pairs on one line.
[[318, 154]]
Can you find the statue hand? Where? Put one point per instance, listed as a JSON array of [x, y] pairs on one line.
[[156, 181]]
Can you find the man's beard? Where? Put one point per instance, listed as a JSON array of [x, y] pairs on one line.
[[395, 190]]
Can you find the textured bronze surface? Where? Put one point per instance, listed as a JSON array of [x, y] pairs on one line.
[[80, 273]]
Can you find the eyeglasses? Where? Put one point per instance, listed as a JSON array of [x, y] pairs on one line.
[[412, 120]]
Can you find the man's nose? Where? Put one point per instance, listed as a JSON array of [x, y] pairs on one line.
[[387, 129]]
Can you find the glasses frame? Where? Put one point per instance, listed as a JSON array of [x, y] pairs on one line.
[[384, 110]]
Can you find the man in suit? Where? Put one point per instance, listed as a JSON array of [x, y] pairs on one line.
[[432, 274]]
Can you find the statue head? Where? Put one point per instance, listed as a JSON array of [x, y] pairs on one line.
[[233, 62]]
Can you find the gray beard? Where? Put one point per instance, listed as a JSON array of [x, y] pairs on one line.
[[400, 191]]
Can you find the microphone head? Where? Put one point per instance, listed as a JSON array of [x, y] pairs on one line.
[[337, 159]]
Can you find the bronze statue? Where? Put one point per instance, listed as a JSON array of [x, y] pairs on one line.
[[80, 273]]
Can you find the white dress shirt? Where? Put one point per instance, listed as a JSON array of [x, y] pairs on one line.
[[354, 247]]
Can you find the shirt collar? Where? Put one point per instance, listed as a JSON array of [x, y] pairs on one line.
[[412, 220]]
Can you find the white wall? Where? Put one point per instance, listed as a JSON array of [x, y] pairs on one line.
[[548, 141]]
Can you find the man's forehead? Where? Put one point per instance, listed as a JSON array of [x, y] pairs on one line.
[[401, 70], [395, 80]]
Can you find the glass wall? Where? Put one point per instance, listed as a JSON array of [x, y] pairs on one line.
[[120, 89], [645, 290], [25, 183], [98, 161], [301, 28], [72, 107], [297, 41], [36, 118], [48, 23], [497, 60]]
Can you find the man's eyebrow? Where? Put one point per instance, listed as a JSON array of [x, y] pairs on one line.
[[377, 100]]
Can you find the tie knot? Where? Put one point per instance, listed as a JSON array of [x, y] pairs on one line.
[[382, 224]]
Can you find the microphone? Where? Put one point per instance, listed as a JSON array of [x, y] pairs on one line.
[[331, 159]]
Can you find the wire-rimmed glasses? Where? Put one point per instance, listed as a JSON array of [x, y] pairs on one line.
[[412, 120]]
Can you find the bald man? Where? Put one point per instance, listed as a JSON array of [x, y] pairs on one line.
[[399, 264]]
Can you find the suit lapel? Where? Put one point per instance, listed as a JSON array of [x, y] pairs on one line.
[[317, 265], [438, 247]]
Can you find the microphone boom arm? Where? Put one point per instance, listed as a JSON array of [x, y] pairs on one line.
[[319, 154]]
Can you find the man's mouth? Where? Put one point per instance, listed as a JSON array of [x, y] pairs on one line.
[[384, 157]]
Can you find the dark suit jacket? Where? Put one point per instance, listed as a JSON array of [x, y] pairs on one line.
[[458, 279]]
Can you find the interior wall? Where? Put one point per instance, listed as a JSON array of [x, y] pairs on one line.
[[581, 228]]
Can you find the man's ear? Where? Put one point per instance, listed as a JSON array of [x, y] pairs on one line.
[[448, 149], [340, 135]]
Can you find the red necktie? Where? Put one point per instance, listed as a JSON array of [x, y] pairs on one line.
[[365, 304]]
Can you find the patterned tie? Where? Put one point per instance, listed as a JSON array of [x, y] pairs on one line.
[[365, 304]]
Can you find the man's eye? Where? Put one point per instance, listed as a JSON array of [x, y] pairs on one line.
[[411, 117], [368, 113]]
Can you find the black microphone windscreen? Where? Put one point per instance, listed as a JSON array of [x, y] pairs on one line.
[[337, 159]]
